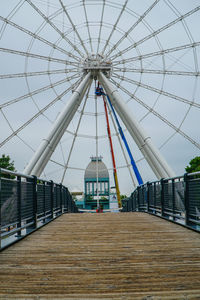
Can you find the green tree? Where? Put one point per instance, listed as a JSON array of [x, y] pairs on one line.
[[123, 197], [194, 165], [6, 163]]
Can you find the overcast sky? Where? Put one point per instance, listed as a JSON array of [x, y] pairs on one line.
[[42, 53]]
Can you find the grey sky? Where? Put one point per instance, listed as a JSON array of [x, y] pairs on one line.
[[166, 82]]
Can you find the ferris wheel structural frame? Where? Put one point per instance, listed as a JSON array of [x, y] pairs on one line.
[[133, 55]]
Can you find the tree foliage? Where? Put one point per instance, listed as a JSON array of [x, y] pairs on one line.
[[194, 165], [123, 197], [6, 163]]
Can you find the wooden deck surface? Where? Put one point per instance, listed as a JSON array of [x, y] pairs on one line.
[[103, 256]]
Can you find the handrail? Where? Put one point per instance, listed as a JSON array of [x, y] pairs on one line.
[[193, 174], [176, 199], [27, 203], [8, 172]]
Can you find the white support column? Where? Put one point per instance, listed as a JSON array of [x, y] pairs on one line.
[[48, 145], [152, 155]]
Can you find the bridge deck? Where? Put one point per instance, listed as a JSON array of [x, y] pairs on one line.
[[107, 256]]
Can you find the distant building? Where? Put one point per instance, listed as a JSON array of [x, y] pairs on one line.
[[91, 190], [90, 184]]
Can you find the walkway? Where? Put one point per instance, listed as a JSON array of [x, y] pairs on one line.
[[103, 256]]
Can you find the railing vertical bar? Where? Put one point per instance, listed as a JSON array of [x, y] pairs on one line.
[[64, 199], [162, 200], [61, 199], [173, 199], [56, 196], [154, 198], [35, 201], [19, 206], [186, 198], [0, 207], [148, 192], [44, 201], [52, 196]]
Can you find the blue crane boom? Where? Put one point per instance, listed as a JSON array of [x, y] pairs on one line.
[[135, 169], [99, 91]]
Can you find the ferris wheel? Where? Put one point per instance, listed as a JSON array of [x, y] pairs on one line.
[[143, 54]]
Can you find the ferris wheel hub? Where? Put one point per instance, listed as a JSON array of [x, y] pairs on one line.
[[96, 62]]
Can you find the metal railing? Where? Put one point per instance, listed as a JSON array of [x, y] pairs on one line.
[[176, 199], [27, 203]]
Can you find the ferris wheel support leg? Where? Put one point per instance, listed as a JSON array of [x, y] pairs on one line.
[[152, 155], [48, 145]]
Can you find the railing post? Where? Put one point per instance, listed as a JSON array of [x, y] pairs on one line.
[[44, 201], [35, 201], [52, 196], [61, 199], [173, 199], [56, 197], [162, 194], [132, 204], [148, 189], [186, 198], [19, 201], [137, 198], [154, 198], [71, 209], [0, 208], [65, 199]]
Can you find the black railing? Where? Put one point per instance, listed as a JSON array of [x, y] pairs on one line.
[[176, 199], [27, 203]]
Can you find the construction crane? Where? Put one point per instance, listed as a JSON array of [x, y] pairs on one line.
[[99, 92], [135, 169]]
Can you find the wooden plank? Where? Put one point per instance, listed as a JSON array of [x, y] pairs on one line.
[[103, 256]]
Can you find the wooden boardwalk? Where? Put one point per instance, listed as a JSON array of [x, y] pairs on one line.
[[103, 256]]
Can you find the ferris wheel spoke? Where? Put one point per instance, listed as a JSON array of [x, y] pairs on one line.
[[35, 36], [178, 14], [7, 121], [114, 26], [35, 92], [131, 29], [153, 89], [187, 30], [73, 26], [75, 136], [100, 26], [151, 110], [151, 71], [156, 32], [173, 134], [88, 28], [58, 31], [28, 54], [29, 74], [62, 165], [11, 14], [25, 143], [156, 53], [37, 115]]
